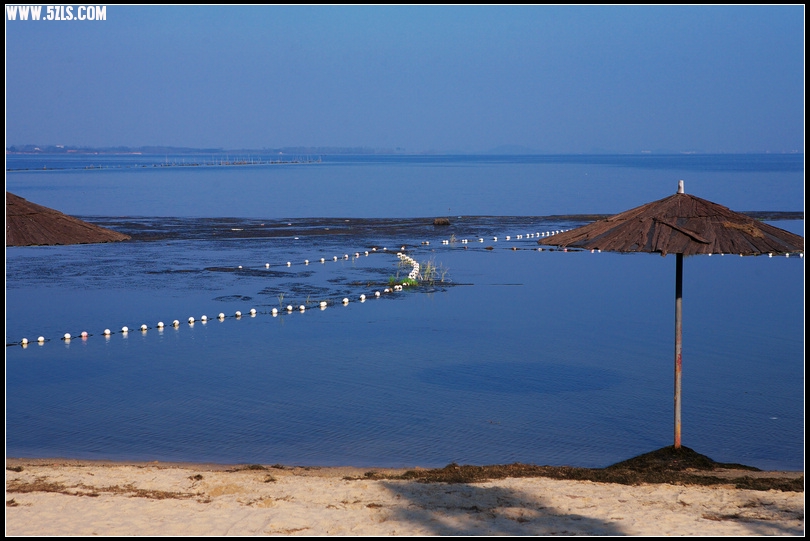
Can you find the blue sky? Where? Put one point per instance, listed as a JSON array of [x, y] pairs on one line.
[[553, 79]]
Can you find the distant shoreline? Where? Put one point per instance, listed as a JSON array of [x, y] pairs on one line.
[[361, 151]]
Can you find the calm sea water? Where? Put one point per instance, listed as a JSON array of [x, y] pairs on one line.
[[510, 355]]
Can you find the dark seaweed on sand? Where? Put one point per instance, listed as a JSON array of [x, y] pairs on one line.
[[667, 465]]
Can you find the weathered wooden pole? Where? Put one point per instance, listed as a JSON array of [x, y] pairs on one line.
[[678, 345]]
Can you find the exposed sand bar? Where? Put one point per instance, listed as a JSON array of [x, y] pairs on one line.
[[100, 498]]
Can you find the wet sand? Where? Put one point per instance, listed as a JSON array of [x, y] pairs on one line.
[[70, 497]]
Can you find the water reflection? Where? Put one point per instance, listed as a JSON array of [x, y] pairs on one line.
[[543, 357]]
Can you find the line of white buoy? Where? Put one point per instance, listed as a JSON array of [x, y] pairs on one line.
[[520, 236], [67, 337], [413, 275], [322, 259]]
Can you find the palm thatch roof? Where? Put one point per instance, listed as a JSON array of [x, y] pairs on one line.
[[680, 224], [29, 224]]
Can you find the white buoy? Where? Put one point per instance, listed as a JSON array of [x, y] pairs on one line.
[[41, 339], [238, 313], [335, 258], [323, 260], [495, 239], [323, 304], [302, 308], [84, 334], [362, 298], [191, 320], [175, 323], [252, 311], [306, 262], [267, 265], [508, 237], [345, 256], [376, 293], [366, 252], [24, 341], [125, 330], [221, 316], [274, 311], [345, 300], [107, 332], [160, 325], [143, 328], [289, 308], [289, 264]]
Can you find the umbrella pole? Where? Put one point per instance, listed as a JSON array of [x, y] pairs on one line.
[[678, 307]]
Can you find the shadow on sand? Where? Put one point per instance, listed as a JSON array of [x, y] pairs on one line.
[[469, 509], [464, 507]]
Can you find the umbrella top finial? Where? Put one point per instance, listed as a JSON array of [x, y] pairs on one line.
[[680, 186]]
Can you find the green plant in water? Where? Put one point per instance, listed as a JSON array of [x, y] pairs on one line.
[[281, 300], [431, 273]]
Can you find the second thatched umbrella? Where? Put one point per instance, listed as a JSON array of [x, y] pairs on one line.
[[680, 224], [29, 224]]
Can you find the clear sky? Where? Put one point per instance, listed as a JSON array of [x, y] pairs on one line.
[[553, 79]]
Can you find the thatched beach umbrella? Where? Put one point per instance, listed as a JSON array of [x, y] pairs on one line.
[[29, 224], [680, 224]]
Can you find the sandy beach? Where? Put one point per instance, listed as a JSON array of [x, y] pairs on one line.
[[68, 497]]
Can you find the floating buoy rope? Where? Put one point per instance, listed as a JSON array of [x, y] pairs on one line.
[[414, 277]]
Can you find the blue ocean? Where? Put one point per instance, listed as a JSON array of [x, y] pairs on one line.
[[504, 353]]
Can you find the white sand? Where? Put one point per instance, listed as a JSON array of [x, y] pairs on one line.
[[125, 499]]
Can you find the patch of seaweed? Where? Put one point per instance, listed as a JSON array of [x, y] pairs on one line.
[[664, 466], [672, 459]]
